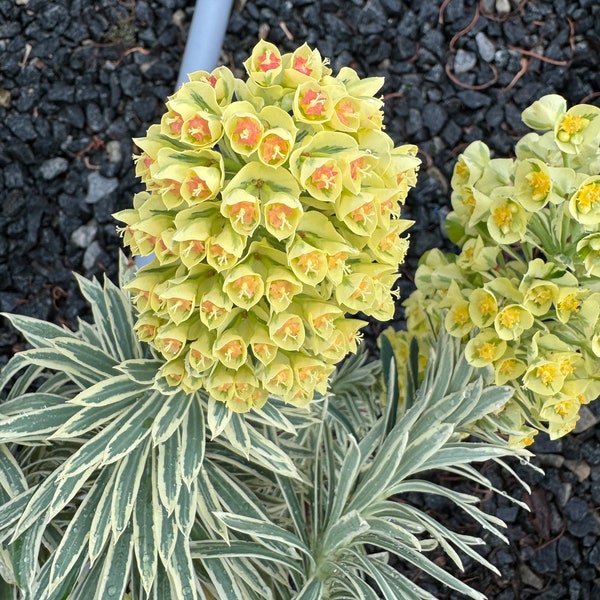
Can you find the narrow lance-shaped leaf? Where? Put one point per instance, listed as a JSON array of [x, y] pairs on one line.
[[127, 481]]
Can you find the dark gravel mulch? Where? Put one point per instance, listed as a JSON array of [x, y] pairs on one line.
[[79, 79]]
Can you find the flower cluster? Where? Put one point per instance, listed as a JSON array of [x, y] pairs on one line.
[[524, 292], [272, 209]]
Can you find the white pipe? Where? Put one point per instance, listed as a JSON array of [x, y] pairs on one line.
[[207, 30], [202, 50]]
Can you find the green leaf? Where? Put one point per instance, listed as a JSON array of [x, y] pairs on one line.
[[171, 415], [185, 508], [92, 291], [193, 439], [37, 332], [87, 356], [55, 360], [100, 528], [126, 486], [24, 555], [115, 574], [382, 470], [91, 417], [181, 570], [271, 415], [343, 531], [10, 511], [390, 376], [262, 531], [76, 535], [208, 502], [313, 590], [346, 479], [224, 581], [294, 509], [271, 456], [36, 424], [133, 430], [237, 434], [119, 306], [109, 391], [217, 416], [12, 479], [146, 552], [30, 401], [201, 549], [168, 471], [140, 370], [165, 525]]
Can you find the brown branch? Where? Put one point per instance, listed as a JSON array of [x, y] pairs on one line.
[[468, 28], [288, 33], [468, 86], [552, 61], [522, 71], [589, 97], [441, 12]]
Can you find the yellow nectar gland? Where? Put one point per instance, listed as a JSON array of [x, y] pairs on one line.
[[569, 303], [361, 291], [461, 169], [246, 286], [507, 367], [313, 103], [247, 131], [487, 351], [263, 350], [546, 374], [461, 315], [563, 408], [539, 183], [509, 317], [566, 368], [588, 197], [324, 176], [278, 215], [323, 322], [199, 129], [503, 217], [571, 124]]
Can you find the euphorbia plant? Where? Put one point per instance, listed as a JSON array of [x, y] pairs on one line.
[[524, 291], [196, 441], [272, 210]]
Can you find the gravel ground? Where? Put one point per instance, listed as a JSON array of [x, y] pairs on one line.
[[79, 79]]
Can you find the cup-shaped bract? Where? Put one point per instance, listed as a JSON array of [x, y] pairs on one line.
[[272, 206]]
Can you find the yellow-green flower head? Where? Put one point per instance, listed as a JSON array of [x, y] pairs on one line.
[[577, 128], [584, 204], [507, 222], [485, 348], [272, 211]]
